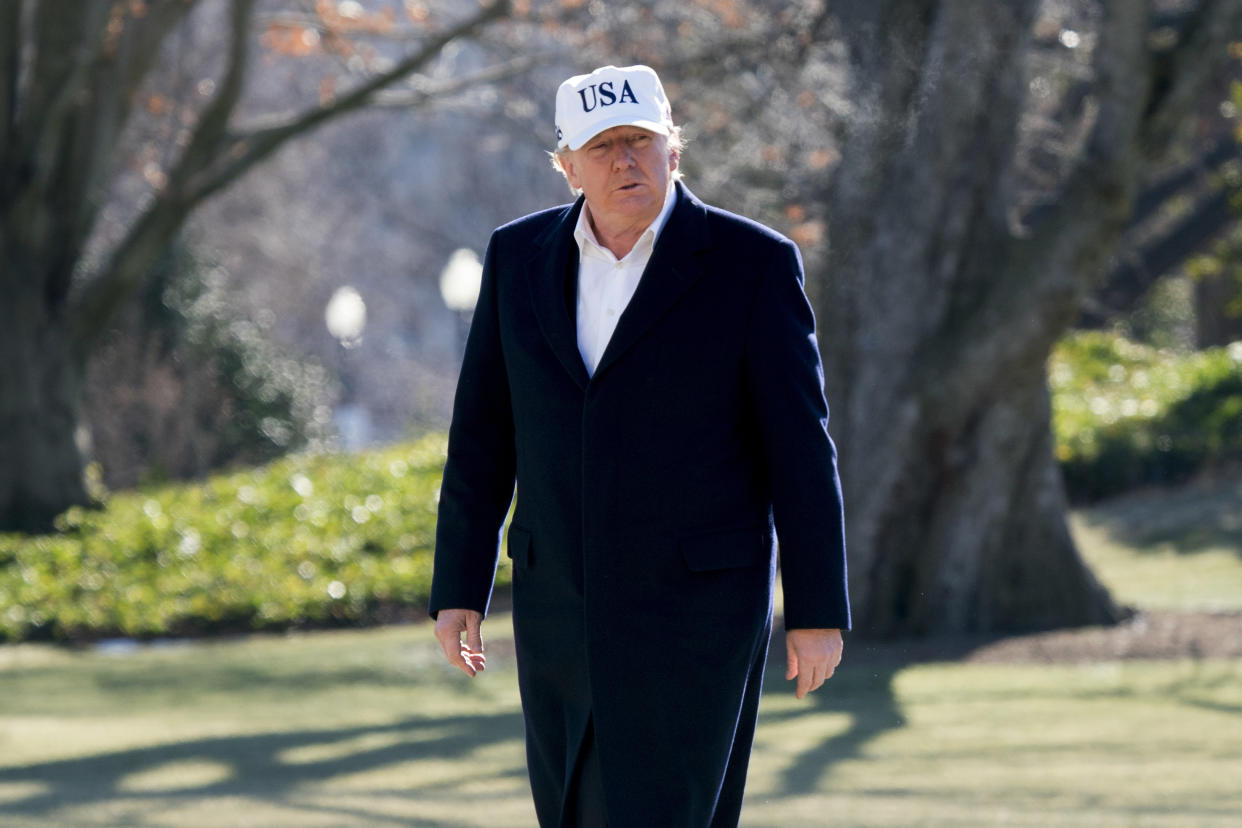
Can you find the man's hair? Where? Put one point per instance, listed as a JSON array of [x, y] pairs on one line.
[[676, 144]]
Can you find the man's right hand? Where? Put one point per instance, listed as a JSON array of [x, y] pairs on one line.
[[468, 656]]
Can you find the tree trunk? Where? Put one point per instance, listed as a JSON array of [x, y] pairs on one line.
[[943, 293], [41, 463], [1218, 308], [972, 534]]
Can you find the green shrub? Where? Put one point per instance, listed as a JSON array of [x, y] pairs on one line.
[[188, 382], [310, 540], [1129, 415], [279, 403]]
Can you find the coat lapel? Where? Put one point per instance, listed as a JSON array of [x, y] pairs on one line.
[[550, 268], [675, 265]]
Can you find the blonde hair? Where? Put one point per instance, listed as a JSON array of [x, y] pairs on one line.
[[676, 144]]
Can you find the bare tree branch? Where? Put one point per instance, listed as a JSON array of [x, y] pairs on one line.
[[138, 45], [1136, 271], [211, 132], [421, 97], [65, 60], [76, 43], [1140, 264], [58, 36], [89, 75], [1180, 73], [148, 235], [248, 149], [129, 52], [1157, 194], [214, 159], [10, 68], [309, 19]]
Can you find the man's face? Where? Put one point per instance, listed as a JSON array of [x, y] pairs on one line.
[[624, 173]]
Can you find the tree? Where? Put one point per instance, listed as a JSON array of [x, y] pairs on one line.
[[1175, 217], [957, 255], [1217, 278], [958, 175], [70, 73]]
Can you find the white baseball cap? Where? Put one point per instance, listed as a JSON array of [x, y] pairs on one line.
[[611, 96]]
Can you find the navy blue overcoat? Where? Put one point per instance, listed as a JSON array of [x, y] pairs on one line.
[[649, 497]]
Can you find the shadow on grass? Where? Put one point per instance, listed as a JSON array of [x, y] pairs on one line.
[[259, 768], [865, 694], [1193, 518], [862, 689]]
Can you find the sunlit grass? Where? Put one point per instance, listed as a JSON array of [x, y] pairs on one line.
[[368, 728], [949, 744], [1178, 549], [334, 728]]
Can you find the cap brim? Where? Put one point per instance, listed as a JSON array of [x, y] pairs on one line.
[[575, 142]]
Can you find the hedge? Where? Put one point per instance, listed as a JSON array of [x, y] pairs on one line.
[[1128, 415], [310, 540]]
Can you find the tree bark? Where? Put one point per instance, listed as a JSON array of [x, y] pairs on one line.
[[1138, 267], [941, 299], [1218, 308], [41, 464]]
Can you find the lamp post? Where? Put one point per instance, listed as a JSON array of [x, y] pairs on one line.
[[459, 287], [346, 317]]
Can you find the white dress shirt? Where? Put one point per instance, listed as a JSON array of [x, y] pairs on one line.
[[606, 284]]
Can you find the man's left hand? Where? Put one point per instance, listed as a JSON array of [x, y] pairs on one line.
[[811, 656]]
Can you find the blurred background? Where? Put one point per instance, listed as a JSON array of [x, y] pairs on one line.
[[239, 249]]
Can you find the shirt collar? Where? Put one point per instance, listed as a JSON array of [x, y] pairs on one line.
[[585, 235]]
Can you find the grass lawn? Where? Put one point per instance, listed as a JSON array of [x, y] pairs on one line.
[[370, 728], [1169, 549]]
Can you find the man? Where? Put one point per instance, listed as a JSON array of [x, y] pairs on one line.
[[645, 367]]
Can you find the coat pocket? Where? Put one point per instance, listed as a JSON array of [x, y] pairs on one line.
[[519, 547], [725, 549]]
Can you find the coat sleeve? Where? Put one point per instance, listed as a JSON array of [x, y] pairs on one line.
[[479, 474], [787, 378]]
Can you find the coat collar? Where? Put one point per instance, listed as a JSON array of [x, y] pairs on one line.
[[553, 253], [675, 265]]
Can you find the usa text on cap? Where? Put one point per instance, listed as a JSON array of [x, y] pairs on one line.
[[611, 96]]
